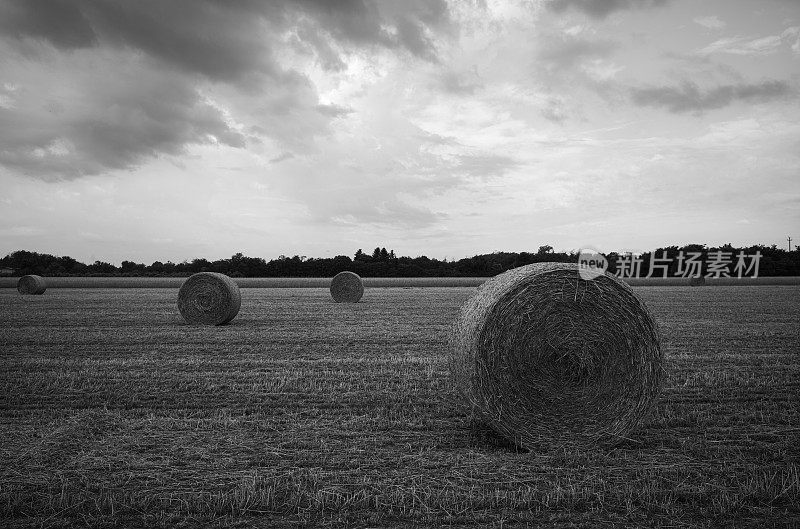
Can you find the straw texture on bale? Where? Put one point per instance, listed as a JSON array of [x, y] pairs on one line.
[[209, 298], [31, 284], [548, 359], [347, 287]]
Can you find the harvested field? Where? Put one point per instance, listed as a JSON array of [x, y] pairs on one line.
[[250, 282], [114, 411], [369, 282]]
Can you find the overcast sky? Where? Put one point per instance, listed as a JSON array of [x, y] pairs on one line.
[[150, 130]]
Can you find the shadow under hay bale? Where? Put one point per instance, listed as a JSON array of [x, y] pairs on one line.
[[481, 435], [545, 357], [697, 281], [347, 287], [209, 298], [31, 284]]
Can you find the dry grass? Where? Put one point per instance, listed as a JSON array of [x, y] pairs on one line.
[[549, 359], [209, 298], [113, 411], [346, 287], [31, 284]]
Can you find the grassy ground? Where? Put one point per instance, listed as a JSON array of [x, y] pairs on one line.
[[305, 412]]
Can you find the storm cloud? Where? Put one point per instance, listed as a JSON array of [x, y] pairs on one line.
[[601, 8], [222, 40], [102, 122], [175, 54], [688, 97]]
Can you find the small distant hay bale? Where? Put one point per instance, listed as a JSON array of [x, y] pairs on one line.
[[31, 284], [546, 358], [347, 287], [209, 298], [697, 281]]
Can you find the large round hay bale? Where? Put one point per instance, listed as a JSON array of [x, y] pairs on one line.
[[31, 284], [347, 287], [548, 359], [209, 298]]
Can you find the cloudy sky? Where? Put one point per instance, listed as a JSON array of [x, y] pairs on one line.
[[171, 130]]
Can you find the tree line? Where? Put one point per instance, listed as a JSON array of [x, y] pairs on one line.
[[773, 261]]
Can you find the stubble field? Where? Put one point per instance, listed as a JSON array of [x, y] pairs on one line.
[[305, 412]]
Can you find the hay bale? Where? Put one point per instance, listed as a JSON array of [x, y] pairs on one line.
[[209, 298], [347, 287], [31, 284], [697, 281], [548, 359]]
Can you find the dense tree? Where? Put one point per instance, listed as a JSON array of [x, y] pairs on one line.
[[131, 268], [102, 268], [384, 263]]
